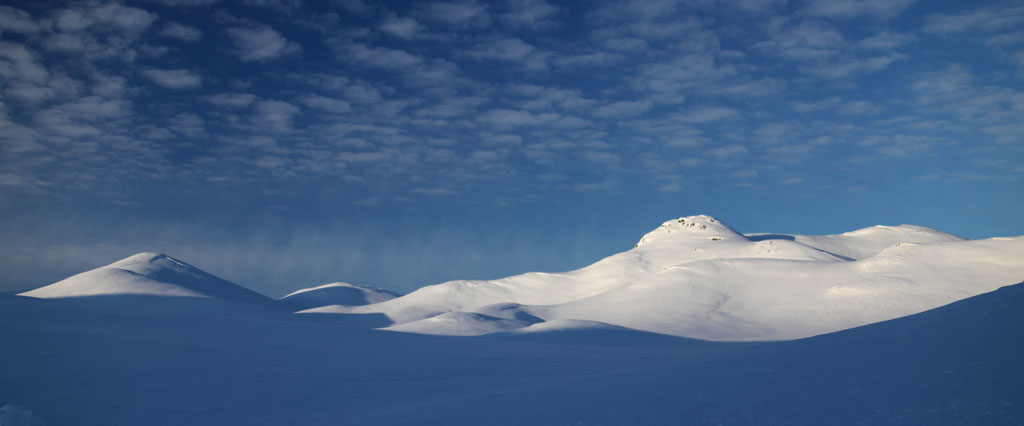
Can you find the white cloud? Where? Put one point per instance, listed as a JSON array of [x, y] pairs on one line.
[[282, 5], [14, 137], [275, 115], [532, 14], [709, 114], [17, 21], [511, 50], [435, 191], [622, 109], [803, 40], [80, 117], [626, 44], [852, 66], [463, 13], [816, 106], [452, 107], [358, 7], [19, 63], [512, 118], [995, 18], [745, 174], [669, 82], [692, 162], [378, 57], [185, 3], [28, 92], [587, 59], [362, 92], [885, 40], [757, 5], [859, 108], [507, 49], [845, 9], [173, 79], [404, 28], [323, 103], [258, 43], [85, 15], [775, 133], [188, 124], [728, 152], [181, 32], [231, 99]]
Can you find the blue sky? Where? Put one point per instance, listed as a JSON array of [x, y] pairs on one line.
[[283, 144]]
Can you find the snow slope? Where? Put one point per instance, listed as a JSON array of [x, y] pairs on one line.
[[148, 274], [339, 293], [867, 242], [697, 277]]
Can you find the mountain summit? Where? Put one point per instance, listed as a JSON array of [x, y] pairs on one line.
[[148, 274], [701, 226]]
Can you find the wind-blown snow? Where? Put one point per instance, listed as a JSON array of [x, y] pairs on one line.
[[697, 277]]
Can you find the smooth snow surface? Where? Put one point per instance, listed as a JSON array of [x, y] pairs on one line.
[[697, 277], [343, 294], [150, 274]]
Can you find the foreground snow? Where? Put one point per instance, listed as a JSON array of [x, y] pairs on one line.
[[131, 360]]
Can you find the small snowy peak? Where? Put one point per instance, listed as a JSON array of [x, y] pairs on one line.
[[148, 274], [138, 260], [700, 227], [334, 294]]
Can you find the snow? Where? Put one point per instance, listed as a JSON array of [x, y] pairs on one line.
[[128, 360], [698, 277], [342, 294], [920, 331]]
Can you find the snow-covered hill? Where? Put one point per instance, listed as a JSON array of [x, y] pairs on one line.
[[698, 277], [339, 293], [148, 274]]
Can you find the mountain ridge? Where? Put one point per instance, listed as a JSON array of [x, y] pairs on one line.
[[697, 277]]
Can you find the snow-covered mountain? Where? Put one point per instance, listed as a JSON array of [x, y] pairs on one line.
[[148, 274], [698, 277], [568, 348], [339, 293]]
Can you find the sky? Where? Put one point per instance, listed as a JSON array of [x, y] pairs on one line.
[[283, 144]]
